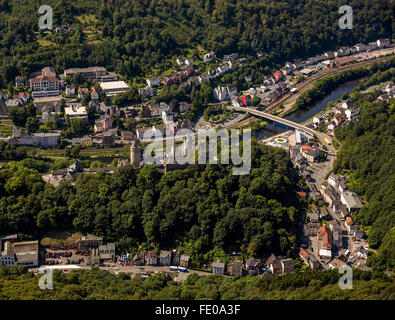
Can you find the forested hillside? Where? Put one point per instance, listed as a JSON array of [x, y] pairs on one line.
[[367, 156], [139, 37], [204, 209], [97, 284]]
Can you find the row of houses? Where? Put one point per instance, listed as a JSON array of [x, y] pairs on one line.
[[254, 266], [164, 258]]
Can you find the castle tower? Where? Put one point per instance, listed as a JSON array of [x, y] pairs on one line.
[[135, 153]]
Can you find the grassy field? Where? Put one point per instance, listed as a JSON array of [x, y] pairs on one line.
[[6, 128], [61, 238], [92, 33]]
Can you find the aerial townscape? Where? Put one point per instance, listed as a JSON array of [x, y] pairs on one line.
[[82, 102]]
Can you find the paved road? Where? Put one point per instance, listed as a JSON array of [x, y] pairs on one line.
[[146, 269]]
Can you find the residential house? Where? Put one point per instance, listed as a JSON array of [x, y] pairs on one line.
[[324, 239], [360, 47], [175, 260], [82, 92], [348, 223], [184, 107], [224, 93], [253, 265], [309, 153], [167, 116], [270, 260], [19, 81], [184, 261], [218, 267], [108, 138], [107, 252], [278, 76], [168, 81], [138, 259], [70, 90], [356, 232], [151, 258], [313, 217], [235, 268], [343, 51], [230, 56], [314, 263], [337, 234], [13, 103], [336, 264], [103, 124], [127, 135], [94, 94], [165, 258], [329, 197], [209, 56], [352, 114], [315, 209], [303, 254], [153, 82], [24, 97], [3, 108], [146, 92], [342, 187], [333, 180], [287, 266], [383, 43], [325, 254], [276, 267], [309, 259], [362, 253]]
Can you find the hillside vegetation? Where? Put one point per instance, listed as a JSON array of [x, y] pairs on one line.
[[96, 284], [142, 37], [367, 156]]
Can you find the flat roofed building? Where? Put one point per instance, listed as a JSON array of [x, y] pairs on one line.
[[95, 73], [112, 88], [7, 238], [90, 241], [26, 253], [351, 201], [107, 251], [75, 112]]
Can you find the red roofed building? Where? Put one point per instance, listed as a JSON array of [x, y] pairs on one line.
[[278, 75], [302, 194], [47, 81], [324, 238]]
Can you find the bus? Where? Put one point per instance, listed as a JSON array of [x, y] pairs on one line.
[[181, 269]]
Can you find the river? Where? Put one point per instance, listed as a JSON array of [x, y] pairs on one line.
[[300, 116]]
